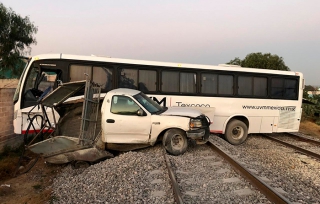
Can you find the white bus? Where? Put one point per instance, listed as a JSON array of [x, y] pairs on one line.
[[246, 100]]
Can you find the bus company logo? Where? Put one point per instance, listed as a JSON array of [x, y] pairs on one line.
[[280, 108], [164, 101], [192, 104]]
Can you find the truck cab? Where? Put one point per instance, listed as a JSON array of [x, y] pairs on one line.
[[130, 117]]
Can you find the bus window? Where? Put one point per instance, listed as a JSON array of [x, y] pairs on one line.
[[128, 78], [31, 79], [252, 86], [290, 86], [48, 80], [209, 83], [77, 72], [103, 77], [170, 81], [260, 86], [147, 80], [276, 88], [187, 82], [36, 83], [183, 82], [245, 85], [225, 84]]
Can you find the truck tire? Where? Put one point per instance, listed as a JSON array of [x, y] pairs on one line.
[[236, 132], [175, 141]]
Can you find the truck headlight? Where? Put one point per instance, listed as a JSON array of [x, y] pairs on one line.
[[195, 123]]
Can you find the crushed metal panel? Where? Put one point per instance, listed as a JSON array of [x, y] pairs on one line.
[[55, 145], [90, 154], [62, 93]]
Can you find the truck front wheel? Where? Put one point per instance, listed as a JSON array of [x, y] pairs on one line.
[[236, 132], [175, 141]]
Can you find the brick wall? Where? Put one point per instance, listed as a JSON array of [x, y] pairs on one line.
[[7, 136]]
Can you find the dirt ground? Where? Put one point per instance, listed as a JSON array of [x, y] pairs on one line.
[[34, 186]]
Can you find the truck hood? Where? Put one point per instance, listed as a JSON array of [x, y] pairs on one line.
[[182, 111]]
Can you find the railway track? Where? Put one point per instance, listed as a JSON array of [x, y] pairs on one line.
[[298, 143], [201, 175], [236, 177]]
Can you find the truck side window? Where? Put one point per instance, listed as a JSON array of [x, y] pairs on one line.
[[123, 105]]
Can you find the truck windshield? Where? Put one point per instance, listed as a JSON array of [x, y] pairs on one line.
[[148, 104]]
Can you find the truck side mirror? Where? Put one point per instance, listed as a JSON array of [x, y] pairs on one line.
[[140, 112]]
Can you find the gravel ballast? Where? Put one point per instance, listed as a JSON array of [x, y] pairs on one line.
[[141, 176], [132, 177], [295, 175]]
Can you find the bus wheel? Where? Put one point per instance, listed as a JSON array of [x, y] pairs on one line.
[[175, 141], [236, 132]]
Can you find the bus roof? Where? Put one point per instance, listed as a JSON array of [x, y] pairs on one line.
[[223, 67]]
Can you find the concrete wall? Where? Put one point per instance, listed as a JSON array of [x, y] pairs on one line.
[[7, 136]]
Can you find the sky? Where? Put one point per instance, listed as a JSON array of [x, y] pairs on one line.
[[184, 31]]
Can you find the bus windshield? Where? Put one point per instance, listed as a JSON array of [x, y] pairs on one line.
[[17, 92]]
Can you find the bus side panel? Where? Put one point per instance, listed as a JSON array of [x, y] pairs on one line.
[[289, 121], [254, 124], [17, 123], [267, 125], [219, 122], [275, 124]]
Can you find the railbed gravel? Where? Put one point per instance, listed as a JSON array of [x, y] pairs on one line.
[[305, 145], [295, 175], [204, 177], [141, 176], [132, 177]]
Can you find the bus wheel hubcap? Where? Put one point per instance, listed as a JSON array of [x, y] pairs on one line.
[[237, 132]]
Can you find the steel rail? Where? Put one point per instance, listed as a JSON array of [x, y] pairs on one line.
[[299, 149], [175, 187], [264, 188], [304, 139]]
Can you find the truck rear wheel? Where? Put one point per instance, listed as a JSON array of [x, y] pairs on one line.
[[175, 141], [236, 132]]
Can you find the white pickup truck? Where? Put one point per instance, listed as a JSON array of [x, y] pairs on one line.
[[129, 120], [130, 117]]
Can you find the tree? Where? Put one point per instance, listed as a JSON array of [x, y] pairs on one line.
[[310, 88], [16, 36], [262, 61]]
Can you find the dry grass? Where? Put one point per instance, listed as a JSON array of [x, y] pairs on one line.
[[308, 127]]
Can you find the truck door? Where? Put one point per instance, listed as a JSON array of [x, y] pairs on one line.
[[123, 125]]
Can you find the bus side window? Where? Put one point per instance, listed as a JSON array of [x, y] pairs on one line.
[[209, 83], [128, 78], [277, 88], [188, 82], [290, 89], [225, 84], [260, 86], [170, 81], [147, 80], [103, 77], [77, 72], [245, 85]]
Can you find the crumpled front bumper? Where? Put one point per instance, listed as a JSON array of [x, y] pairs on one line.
[[201, 135]]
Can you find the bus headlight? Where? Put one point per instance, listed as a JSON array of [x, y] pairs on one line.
[[195, 123]]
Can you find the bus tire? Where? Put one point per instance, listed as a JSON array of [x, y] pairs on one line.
[[236, 132], [175, 141]]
